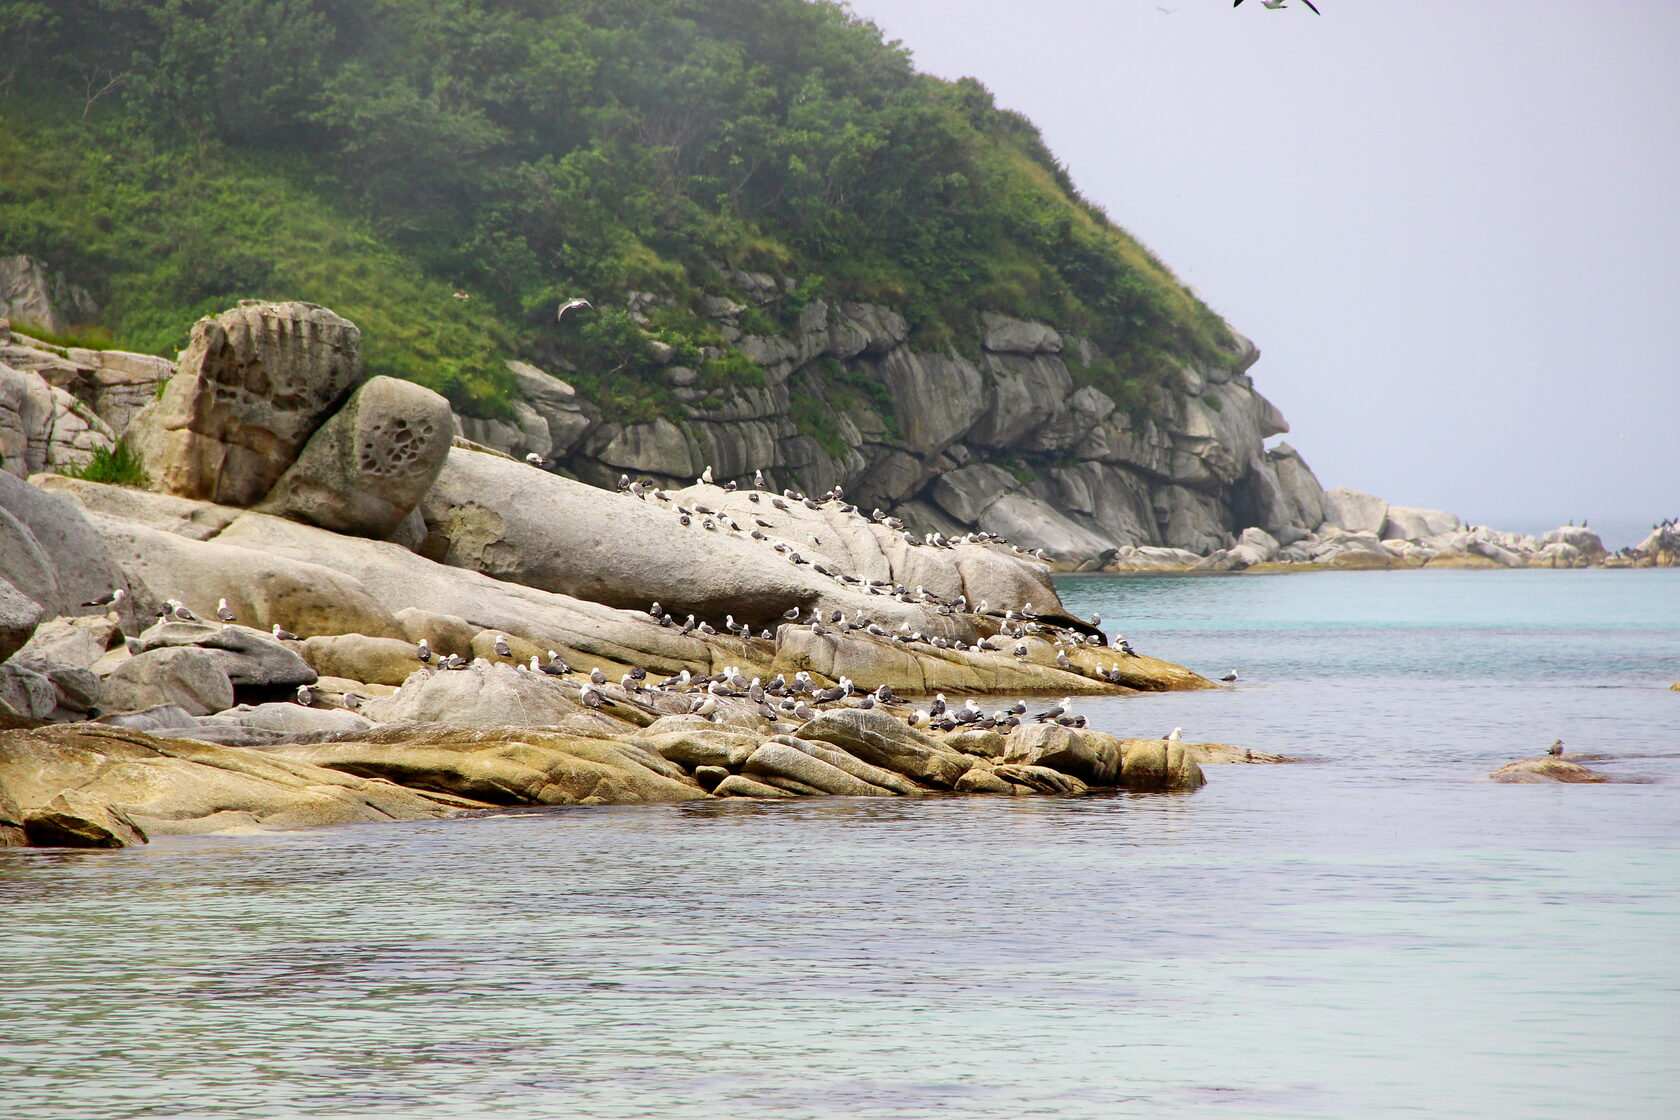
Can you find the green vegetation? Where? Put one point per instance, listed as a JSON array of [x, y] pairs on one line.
[[83, 337], [376, 156], [117, 467]]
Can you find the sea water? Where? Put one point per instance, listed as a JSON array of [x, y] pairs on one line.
[[1377, 932]]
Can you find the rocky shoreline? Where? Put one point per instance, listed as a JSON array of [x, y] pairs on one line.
[[323, 587]]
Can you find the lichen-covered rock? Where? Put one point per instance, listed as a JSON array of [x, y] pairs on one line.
[[252, 386], [370, 463]]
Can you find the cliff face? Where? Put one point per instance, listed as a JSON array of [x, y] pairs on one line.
[[1006, 443]]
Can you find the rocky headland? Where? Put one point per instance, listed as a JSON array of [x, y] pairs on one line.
[[324, 602]]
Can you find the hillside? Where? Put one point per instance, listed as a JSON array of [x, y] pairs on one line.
[[726, 180]]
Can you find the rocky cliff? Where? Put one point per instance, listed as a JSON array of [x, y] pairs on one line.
[[997, 435]]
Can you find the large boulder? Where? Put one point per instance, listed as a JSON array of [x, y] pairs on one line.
[[1156, 764], [778, 759], [261, 588], [507, 765], [80, 642], [186, 677], [19, 616], [1535, 771], [361, 658], [370, 463], [1354, 511], [49, 551], [250, 658], [881, 740], [493, 696], [173, 786], [511, 521], [1408, 523], [252, 386]]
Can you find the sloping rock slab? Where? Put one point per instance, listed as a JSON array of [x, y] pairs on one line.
[[505, 766], [173, 786]]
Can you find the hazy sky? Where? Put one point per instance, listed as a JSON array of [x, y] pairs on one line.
[[1452, 226]]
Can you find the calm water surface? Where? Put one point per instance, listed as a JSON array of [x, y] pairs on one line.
[[1381, 933]]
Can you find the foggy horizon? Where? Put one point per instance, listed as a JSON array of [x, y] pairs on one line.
[[1450, 229]]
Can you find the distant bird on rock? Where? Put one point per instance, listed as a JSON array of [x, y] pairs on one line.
[[116, 595], [535, 460], [224, 612], [283, 635], [1176, 735], [1556, 749], [572, 304], [1230, 677]]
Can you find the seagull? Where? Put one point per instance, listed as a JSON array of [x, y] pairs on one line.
[[574, 302], [590, 698], [116, 595], [502, 647], [425, 653], [1176, 735], [1229, 677], [536, 460], [706, 475], [223, 612], [1277, 5], [283, 635], [1556, 749], [1056, 711], [305, 696]]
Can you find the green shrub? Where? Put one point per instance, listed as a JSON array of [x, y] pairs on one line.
[[116, 466]]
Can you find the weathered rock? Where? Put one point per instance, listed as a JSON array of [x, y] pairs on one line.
[[497, 696], [727, 747], [780, 760], [173, 786], [183, 517], [75, 689], [72, 820], [1039, 779], [27, 692], [1091, 756], [1408, 523], [881, 740], [503, 766], [32, 293], [262, 589], [185, 676], [856, 767], [1005, 334], [967, 493], [444, 633], [1531, 771], [1354, 511], [527, 526], [250, 658], [737, 785], [979, 779], [19, 617], [982, 744], [1586, 542], [252, 386], [69, 641], [361, 658], [49, 551], [1155, 764], [370, 463]]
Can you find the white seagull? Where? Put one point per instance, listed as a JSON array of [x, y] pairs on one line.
[[574, 302]]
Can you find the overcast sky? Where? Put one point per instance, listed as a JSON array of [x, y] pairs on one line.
[[1452, 226]]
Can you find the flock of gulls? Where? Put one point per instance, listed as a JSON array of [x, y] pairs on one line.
[[793, 699]]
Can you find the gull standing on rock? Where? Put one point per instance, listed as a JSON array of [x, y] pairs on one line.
[[1176, 735], [111, 598], [1230, 677], [502, 647], [283, 635], [224, 612]]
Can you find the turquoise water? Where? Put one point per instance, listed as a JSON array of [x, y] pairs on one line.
[[1380, 933]]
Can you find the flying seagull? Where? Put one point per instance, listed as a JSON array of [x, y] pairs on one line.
[[1277, 5], [579, 301]]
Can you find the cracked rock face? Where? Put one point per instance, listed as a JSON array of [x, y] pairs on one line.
[[253, 385]]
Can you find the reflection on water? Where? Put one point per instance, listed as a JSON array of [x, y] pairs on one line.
[[1380, 934]]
